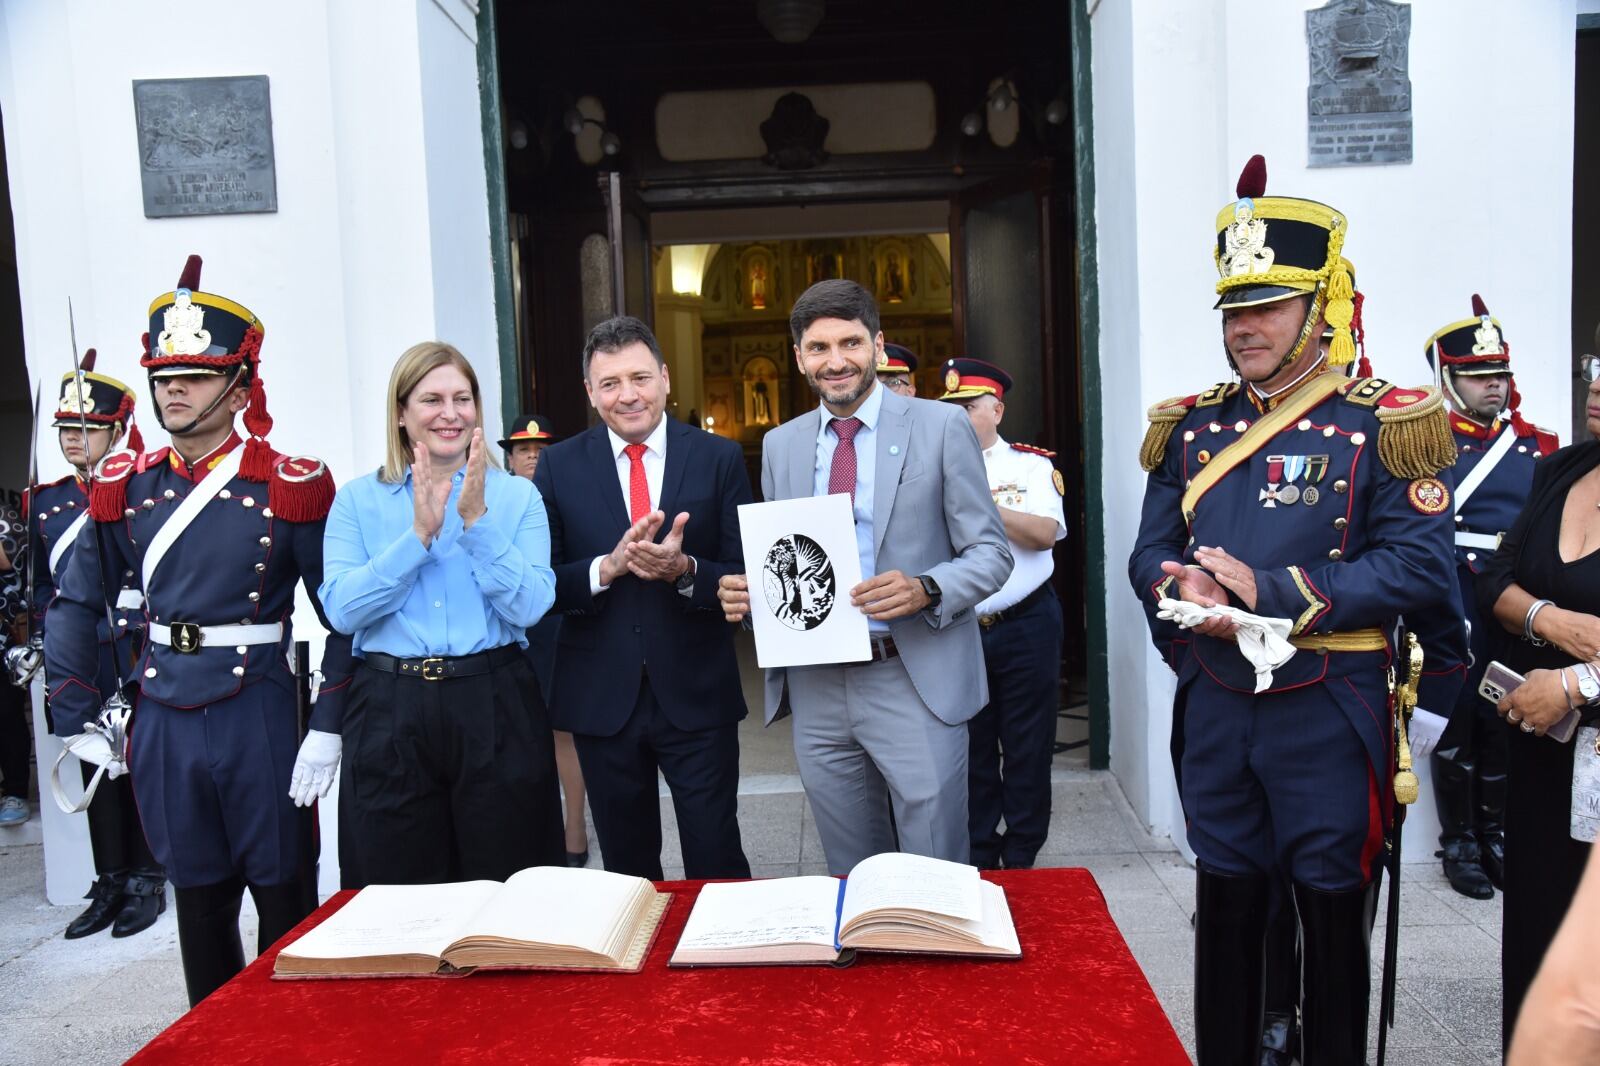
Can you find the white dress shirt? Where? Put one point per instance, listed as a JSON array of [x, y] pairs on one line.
[[655, 464], [1023, 481]]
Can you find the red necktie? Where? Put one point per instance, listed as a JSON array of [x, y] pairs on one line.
[[638, 487], [842, 475]]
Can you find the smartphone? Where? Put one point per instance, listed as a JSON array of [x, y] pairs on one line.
[[1499, 682]]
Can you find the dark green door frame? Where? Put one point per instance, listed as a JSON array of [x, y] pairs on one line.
[[494, 172], [1093, 417]]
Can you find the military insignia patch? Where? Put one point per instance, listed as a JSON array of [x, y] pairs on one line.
[[952, 380], [115, 467], [301, 468], [1059, 482], [1429, 496]]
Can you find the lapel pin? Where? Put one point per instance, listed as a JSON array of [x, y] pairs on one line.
[[894, 449]]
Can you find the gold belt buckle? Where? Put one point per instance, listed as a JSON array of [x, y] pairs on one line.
[[433, 669], [186, 637], [987, 620]]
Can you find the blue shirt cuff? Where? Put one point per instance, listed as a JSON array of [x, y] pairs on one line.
[[399, 562]]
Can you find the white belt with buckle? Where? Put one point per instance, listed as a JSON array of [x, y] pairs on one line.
[[189, 638], [1485, 541]]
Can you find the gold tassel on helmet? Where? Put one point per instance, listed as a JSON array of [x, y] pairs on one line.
[[1340, 311]]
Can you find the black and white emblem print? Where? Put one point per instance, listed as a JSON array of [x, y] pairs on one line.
[[797, 576]]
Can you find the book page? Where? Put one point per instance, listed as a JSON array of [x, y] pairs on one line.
[[901, 882], [558, 905], [780, 910], [395, 920]]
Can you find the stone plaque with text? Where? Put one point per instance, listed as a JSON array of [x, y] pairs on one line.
[[1358, 104], [205, 146]]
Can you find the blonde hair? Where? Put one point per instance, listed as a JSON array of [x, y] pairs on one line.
[[414, 364]]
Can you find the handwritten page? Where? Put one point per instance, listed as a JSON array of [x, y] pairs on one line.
[[396, 920], [900, 882], [801, 560], [557, 905], [785, 910]]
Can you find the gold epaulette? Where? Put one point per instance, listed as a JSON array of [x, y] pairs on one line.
[[1165, 416], [1414, 438]]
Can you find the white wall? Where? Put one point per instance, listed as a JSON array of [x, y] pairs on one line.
[[1184, 92], [381, 237]]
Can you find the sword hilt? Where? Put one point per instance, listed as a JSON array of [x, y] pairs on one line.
[[1406, 786]]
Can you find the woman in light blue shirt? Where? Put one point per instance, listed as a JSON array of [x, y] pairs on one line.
[[437, 564]]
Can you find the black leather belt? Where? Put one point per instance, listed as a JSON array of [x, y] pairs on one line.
[[988, 621], [440, 667], [882, 648]]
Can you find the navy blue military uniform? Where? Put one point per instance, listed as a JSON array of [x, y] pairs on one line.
[[215, 735], [1333, 493], [1494, 468]]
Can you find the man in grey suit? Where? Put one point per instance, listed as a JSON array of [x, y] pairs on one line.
[[893, 729]]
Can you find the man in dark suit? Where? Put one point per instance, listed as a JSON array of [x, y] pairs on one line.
[[646, 676]]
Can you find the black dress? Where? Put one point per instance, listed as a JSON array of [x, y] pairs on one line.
[[1543, 862]]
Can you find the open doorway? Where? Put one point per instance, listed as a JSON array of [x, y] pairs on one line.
[[926, 151]]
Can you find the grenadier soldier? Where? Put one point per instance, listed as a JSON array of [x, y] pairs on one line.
[[897, 368], [531, 435], [129, 892], [1496, 452], [1299, 494], [219, 530], [1011, 741]]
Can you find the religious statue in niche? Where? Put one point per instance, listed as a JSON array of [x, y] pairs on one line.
[[894, 281], [758, 286], [760, 391], [822, 266]]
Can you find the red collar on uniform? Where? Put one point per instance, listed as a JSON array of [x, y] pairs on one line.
[[202, 466], [1463, 426]]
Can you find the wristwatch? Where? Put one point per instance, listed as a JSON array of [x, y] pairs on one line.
[[685, 580], [1588, 687], [931, 588]]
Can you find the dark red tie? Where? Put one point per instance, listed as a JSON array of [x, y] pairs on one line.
[[842, 475], [638, 487]]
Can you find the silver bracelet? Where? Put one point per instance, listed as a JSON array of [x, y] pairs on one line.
[[1527, 623], [1566, 691]]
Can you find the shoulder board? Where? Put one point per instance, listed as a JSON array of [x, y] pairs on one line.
[[1031, 450], [1403, 405], [155, 458], [1366, 392], [301, 489], [1216, 394], [109, 497], [28, 495], [1546, 440], [1414, 437], [1171, 410]]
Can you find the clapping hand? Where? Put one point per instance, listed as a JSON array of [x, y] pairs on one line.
[[650, 561], [470, 505], [615, 565], [428, 496], [1197, 586]]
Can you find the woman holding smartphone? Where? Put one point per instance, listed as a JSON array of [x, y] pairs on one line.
[[1543, 586], [437, 564]]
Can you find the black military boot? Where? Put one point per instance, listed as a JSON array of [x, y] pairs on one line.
[[1229, 937], [105, 900], [1452, 791], [1335, 930], [144, 901], [1492, 807], [208, 936], [1280, 1036]]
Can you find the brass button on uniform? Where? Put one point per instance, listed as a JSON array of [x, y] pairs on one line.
[[1341, 486], [1336, 555], [1340, 523]]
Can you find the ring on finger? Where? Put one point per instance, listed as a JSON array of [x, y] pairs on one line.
[[1526, 728], [1513, 717]]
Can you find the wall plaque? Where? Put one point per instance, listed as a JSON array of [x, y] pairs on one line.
[[205, 146], [1358, 104]]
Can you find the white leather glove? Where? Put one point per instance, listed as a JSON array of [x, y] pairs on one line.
[[1424, 732], [315, 767], [116, 768]]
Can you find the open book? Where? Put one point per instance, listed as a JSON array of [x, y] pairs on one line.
[[890, 902], [544, 917]]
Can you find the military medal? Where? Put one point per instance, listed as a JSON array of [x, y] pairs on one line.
[[1270, 495], [1310, 496], [1289, 494]]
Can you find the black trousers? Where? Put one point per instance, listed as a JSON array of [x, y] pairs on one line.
[[15, 740], [1011, 742], [449, 780], [702, 769], [115, 835]]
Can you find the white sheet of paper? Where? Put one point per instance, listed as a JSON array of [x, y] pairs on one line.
[[801, 559]]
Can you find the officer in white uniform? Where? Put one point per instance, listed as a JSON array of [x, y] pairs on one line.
[[1011, 741]]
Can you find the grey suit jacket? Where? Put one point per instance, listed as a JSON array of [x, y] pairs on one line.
[[932, 514]]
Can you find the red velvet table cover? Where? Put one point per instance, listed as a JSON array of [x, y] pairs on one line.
[[1076, 996]]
